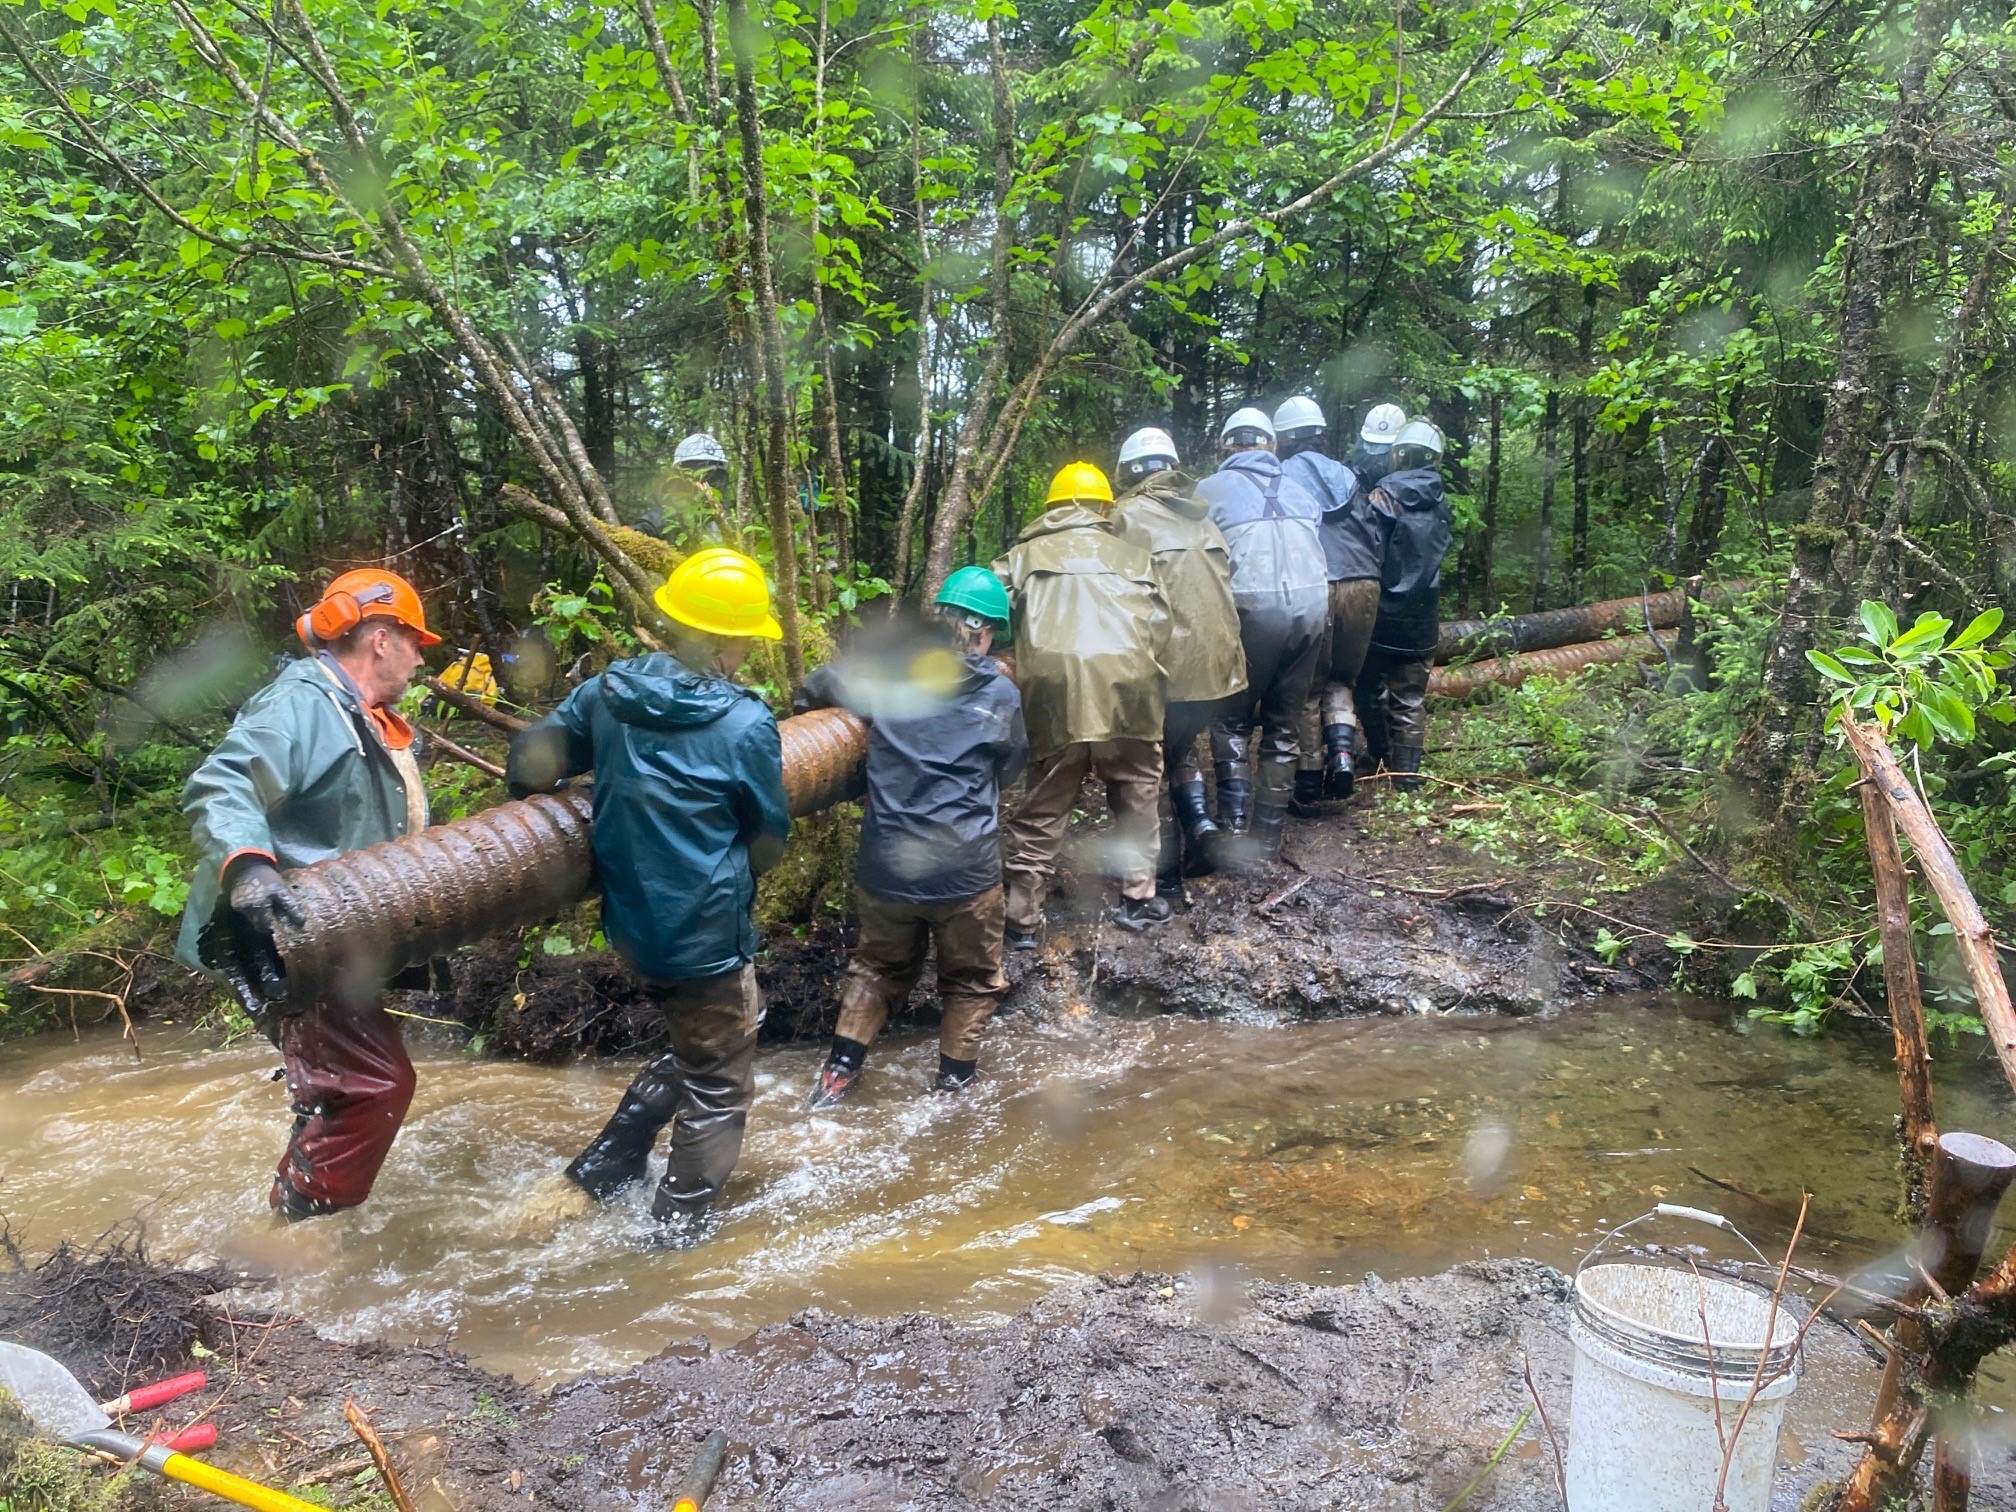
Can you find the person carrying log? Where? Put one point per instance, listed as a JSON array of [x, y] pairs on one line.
[[689, 809], [1392, 692], [944, 733], [317, 763], [1092, 630], [1159, 511], [1279, 585], [1352, 545]]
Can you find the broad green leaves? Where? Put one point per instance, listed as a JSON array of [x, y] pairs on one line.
[[1921, 684]]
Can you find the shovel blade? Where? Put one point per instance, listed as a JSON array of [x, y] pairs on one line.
[[55, 1401]]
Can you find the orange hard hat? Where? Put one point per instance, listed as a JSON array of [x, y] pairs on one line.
[[355, 597]]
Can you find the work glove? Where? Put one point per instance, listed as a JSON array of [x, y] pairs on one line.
[[261, 898]]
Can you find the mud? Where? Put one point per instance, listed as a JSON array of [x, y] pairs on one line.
[[1349, 921], [1138, 1392]]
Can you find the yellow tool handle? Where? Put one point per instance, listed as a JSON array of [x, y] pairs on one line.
[[207, 1477]]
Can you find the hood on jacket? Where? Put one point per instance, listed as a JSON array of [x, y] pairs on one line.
[[1415, 490], [1262, 464], [1064, 517], [659, 692], [1175, 491]]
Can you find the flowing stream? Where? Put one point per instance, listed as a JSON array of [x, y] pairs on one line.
[[1311, 1151]]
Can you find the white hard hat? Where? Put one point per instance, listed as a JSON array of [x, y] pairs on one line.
[[1248, 418], [1421, 433], [699, 447], [1149, 441], [1382, 426], [1299, 413]]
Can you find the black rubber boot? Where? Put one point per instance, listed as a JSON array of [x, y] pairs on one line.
[[1264, 844], [1169, 860], [1235, 817], [1195, 819], [1308, 800], [1137, 914], [1405, 765], [955, 1075], [619, 1154], [1338, 775]]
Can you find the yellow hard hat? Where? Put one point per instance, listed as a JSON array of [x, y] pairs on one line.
[[1079, 481], [721, 592]]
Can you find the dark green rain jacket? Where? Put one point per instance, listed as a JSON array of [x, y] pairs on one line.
[[302, 776], [1091, 631], [689, 777]]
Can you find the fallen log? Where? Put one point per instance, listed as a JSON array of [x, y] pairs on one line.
[[1507, 634], [1559, 661]]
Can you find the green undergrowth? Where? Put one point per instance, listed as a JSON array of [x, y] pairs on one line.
[[1598, 785], [38, 1475]]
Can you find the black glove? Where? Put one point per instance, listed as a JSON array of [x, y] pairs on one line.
[[261, 898]]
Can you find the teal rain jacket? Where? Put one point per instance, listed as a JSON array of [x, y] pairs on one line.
[[689, 777], [301, 776]]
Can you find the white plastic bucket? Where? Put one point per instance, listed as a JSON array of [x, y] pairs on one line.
[[1642, 1426]]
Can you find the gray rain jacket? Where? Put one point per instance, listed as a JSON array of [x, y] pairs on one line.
[[1353, 542], [1269, 523]]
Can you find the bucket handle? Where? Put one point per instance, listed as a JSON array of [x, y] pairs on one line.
[[1674, 1210]]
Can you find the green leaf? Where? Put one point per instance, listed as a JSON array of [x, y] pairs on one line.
[[1879, 622], [1983, 625], [1830, 668], [1745, 986]]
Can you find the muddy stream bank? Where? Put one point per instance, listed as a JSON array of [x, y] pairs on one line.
[[1137, 1267]]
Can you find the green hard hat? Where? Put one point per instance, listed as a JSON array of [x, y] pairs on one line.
[[977, 591]]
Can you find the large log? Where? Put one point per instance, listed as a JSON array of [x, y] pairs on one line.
[[1507, 634], [1560, 661], [374, 912]]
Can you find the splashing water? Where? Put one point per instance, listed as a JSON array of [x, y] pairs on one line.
[[1308, 1151]]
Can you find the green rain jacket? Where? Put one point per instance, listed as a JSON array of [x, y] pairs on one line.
[[301, 776], [1162, 515], [1091, 632]]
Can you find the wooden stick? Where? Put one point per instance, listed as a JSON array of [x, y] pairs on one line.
[[1900, 981], [463, 754], [360, 1424], [1971, 934], [475, 708]]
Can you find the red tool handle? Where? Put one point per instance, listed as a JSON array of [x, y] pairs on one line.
[[155, 1395], [192, 1440]]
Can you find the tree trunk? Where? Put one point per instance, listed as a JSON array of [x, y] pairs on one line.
[[1824, 545], [772, 367], [1494, 472], [1578, 551], [1550, 470], [957, 503]]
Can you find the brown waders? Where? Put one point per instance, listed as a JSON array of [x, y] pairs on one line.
[[1329, 730], [1132, 773], [702, 1087], [895, 937]]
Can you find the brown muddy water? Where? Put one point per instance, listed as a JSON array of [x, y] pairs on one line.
[[1315, 1152]]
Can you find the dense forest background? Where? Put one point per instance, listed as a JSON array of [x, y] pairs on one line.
[[1704, 288]]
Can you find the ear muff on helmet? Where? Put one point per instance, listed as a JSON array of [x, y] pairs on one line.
[[339, 613]]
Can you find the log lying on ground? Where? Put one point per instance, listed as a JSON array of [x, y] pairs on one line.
[[374, 912], [1504, 635], [1560, 661]]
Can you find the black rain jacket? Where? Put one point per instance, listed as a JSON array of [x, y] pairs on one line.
[[944, 734], [1418, 525]]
